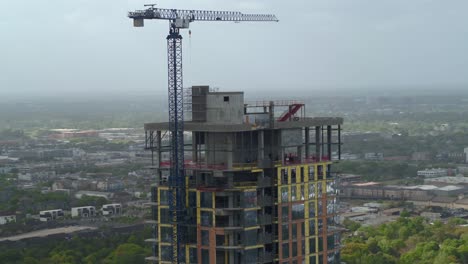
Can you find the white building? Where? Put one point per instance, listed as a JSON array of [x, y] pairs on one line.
[[458, 180], [106, 195], [373, 156], [84, 211], [111, 209], [50, 215], [466, 155], [432, 173], [7, 218]]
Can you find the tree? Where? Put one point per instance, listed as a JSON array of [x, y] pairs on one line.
[[351, 225], [126, 254], [91, 201], [405, 213], [30, 260], [65, 257], [354, 253]]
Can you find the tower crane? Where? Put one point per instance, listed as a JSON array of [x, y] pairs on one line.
[[178, 20]]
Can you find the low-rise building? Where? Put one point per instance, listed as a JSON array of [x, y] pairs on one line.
[[4, 170], [111, 209], [7, 160], [110, 185], [431, 216], [106, 195], [372, 190], [349, 156], [7, 217], [466, 155], [448, 180], [373, 156], [346, 179], [450, 190], [84, 211], [462, 169], [432, 173], [49, 215], [421, 156]]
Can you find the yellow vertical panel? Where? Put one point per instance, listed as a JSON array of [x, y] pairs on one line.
[[279, 175], [159, 228], [280, 195], [159, 236], [298, 174], [306, 201], [198, 199], [306, 173], [159, 247], [315, 172], [213, 200], [158, 193], [214, 217], [324, 171], [306, 233]]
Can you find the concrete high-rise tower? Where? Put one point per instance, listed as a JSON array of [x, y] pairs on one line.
[[260, 187]]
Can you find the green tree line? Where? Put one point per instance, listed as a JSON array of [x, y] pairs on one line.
[[407, 241]]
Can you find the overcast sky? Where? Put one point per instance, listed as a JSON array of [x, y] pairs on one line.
[[76, 47]]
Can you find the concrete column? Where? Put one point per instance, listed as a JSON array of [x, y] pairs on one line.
[[339, 142], [158, 146], [329, 143], [318, 143], [231, 223], [194, 147], [261, 148], [229, 151], [159, 155], [272, 114], [281, 150], [299, 153], [207, 149], [307, 142]]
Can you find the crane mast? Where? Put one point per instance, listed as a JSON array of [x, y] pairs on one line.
[[181, 19]]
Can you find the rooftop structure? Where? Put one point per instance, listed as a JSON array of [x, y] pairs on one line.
[[259, 183], [431, 173], [372, 190], [448, 180]]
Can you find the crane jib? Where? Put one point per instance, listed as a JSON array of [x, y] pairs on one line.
[[199, 15]]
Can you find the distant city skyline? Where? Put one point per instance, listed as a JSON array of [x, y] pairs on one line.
[[57, 48]]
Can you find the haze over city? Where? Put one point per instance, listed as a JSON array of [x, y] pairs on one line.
[[81, 47]]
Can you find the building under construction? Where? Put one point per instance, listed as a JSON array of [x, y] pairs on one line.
[[259, 183]]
